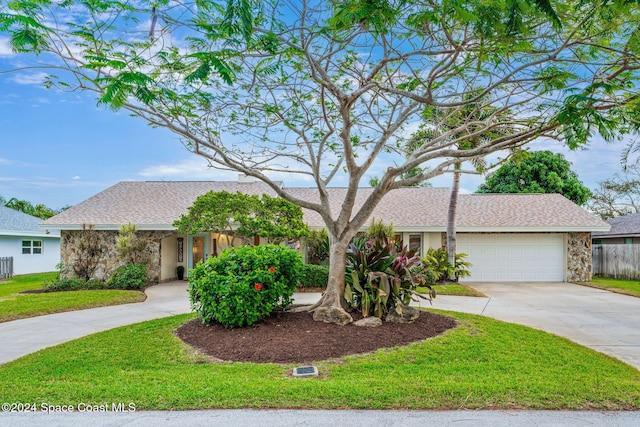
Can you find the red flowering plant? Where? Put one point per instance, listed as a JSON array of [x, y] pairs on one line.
[[244, 285]]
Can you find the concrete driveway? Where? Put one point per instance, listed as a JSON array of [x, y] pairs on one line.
[[602, 320]]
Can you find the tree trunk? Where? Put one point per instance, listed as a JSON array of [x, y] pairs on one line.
[[451, 221], [331, 308]]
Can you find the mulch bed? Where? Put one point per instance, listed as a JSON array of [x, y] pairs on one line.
[[297, 338]]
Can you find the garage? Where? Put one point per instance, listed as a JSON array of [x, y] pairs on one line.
[[514, 257]]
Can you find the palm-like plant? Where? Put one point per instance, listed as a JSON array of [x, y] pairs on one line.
[[466, 127]]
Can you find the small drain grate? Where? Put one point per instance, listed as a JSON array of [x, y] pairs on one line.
[[305, 371]]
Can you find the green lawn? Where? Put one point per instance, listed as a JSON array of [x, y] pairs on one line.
[[14, 305], [621, 286], [483, 363], [454, 289]]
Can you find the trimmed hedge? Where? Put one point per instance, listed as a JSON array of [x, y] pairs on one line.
[[70, 284], [129, 276], [245, 284], [314, 276]]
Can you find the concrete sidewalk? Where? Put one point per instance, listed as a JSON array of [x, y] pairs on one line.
[[325, 418]]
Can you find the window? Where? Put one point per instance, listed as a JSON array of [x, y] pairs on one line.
[[415, 242], [597, 242], [628, 240], [31, 247]]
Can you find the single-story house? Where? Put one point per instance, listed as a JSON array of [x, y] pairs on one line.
[[624, 230], [508, 237], [33, 249]]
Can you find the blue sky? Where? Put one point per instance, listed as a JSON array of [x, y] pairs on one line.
[[61, 148]]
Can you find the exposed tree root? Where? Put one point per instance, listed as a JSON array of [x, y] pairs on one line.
[[305, 308]]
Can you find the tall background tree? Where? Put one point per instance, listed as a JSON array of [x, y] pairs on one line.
[[537, 172], [39, 210], [617, 196], [327, 90]]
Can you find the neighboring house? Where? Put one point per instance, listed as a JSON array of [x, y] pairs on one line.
[[508, 237], [624, 230], [33, 249]]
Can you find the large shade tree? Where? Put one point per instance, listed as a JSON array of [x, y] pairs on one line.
[[329, 90]]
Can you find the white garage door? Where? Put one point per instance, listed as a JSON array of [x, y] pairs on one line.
[[513, 257]]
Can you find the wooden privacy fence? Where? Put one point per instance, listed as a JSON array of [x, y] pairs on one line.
[[6, 267], [617, 261]]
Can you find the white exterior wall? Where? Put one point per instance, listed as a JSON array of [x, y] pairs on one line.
[[169, 257], [11, 246]]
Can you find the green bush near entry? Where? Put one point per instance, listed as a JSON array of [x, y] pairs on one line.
[[244, 285]]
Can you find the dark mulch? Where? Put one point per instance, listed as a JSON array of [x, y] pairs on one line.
[[297, 338]]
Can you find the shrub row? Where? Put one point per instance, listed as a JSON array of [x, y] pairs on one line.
[[314, 276], [129, 276]]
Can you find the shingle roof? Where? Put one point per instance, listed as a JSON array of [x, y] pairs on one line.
[[427, 208], [147, 203], [13, 222], [628, 225], [152, 204]]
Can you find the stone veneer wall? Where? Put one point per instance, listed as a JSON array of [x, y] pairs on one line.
[[579, 257], [110, 261]]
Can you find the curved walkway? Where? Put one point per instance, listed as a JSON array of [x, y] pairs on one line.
[[604, 321], [598, 319], [24, 336]]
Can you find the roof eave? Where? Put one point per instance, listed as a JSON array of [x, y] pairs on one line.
[[27, 233], [112, 227], [532, 229]]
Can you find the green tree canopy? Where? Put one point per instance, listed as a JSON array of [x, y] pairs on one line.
[[39, 210], [329, 91], [537, 172], [245, 216]]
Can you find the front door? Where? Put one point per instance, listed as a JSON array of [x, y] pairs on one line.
[[198, 250]]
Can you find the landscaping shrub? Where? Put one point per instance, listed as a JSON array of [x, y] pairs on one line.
[[70, 284], [314, 276], [128, 276], [380, 277], [439, 268], [244, 285], [317, 243]]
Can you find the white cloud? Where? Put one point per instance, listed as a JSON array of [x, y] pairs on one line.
[[76, 177], [4, 161], [5, 47], [195, 168], [29, 79]]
